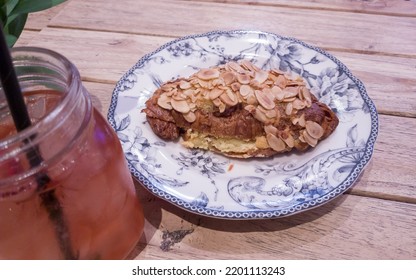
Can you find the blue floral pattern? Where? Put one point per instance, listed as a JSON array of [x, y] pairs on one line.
[[212, 185]]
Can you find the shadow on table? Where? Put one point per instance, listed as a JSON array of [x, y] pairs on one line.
[[163, 218]]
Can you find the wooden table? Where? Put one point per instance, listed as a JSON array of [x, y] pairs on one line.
[[376, 219]]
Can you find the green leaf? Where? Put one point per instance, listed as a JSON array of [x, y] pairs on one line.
[[11, 40], [13, 15], [3, 15], [15, 28], [30, 6], [10, 5]]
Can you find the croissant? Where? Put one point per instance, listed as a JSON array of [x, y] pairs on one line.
[[240, 110]]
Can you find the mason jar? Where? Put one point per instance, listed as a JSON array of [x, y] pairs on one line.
[[65, 189]]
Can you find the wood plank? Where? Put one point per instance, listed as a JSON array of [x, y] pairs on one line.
[[382, 7], [100, 95], [99, 56], [349, 227], [328, 29], [391, 172], [105, 57], [39, 20], [26, 37]]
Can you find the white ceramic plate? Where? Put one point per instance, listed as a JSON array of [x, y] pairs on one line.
[[217, 186]]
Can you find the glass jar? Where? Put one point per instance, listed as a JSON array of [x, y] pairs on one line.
[[65, 189]]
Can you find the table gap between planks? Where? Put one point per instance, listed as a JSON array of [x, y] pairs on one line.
[[375, 39]]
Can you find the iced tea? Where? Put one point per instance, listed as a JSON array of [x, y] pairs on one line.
[[78, 200]]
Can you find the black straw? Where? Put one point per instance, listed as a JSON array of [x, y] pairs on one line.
[[22, 121]]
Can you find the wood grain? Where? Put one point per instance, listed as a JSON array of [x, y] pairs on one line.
[[328, 29], [105, 57], [349, 227], [39, 20], [382, 7]]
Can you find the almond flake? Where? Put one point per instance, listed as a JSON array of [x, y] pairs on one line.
[[185, 85], [271, 129], [309, 139], [164, 101], [215, 93], [289, 109], [261, 76], [180, 105], [314, 129], [265, 99], [243, 78], [208, 74], [228, 78], [278, 93], [246, 90], [190, 117], [275, 143]]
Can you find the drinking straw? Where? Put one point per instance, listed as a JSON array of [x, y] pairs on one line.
[[21, 120]]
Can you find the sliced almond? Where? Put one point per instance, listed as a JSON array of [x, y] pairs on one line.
[[180, 105], [218, 82], [179, 96], [314, 129], [289, 109], [228, 78], [190, 116], [184, 84], [251, 109], [215, 93], [275, 143], [306, 95], [281, 81], [261, 76], [222, 107], [271, 129], [164, 101], [217, 102], [291, 92], [235, 86], [289, 140], [251, 99], [298, 104], [229, 98], [246, 64], [204, 84], [309, 139], [243, 78], [172, 92], [302, 121], [188, 92], [261, 116], [246, 90], [168, 87], [271, 114], [278, 93], [265, 99], [208, 74], [236, 67]]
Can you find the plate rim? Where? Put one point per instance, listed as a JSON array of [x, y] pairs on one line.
[[346, 184]]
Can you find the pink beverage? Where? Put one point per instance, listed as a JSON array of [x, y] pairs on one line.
[[65, 189]]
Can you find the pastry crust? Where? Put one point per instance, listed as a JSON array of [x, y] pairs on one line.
[[239, 110]]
